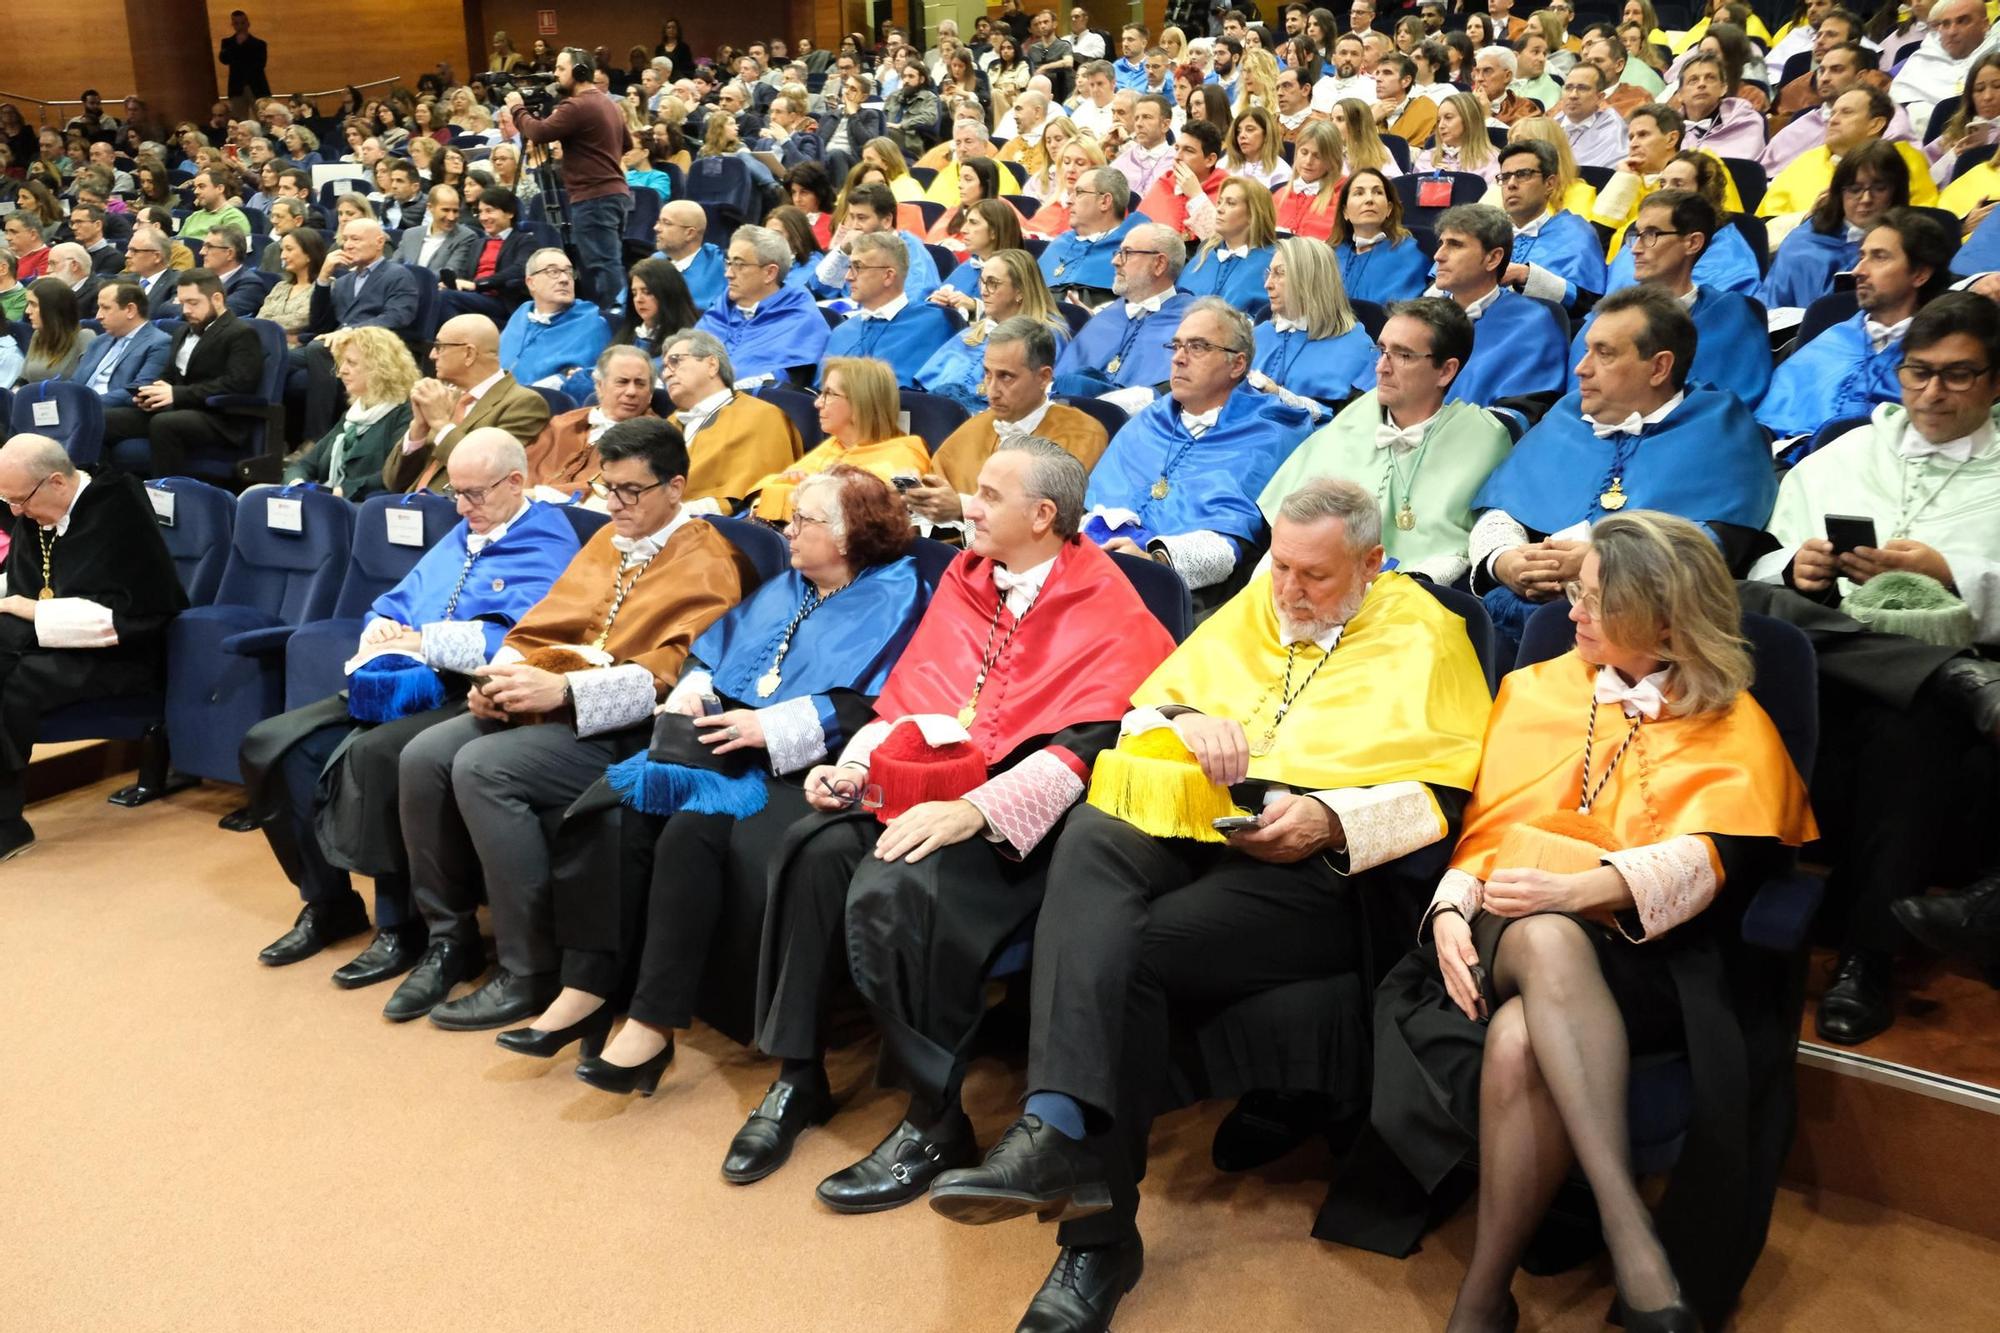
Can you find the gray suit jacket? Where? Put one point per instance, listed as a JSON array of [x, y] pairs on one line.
[[459, 253]]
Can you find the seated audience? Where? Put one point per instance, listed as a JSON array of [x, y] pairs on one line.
[[552, 341], [289, 303], [1009, 285], [871, 209], [1398, 108], [1633, 435], [1232, 261], [30, 250], [213, 354], [1957, 35], [1556, 254], [1869, 182], [146, 263], [1461, 143], [562, 461], [1903, 262], [1077, 158], [1379, 260], [1727, 262], [734, 439], [1308, 203], [886, 324], [1122, 346], [130, 351], [1149, 155], [442, 243], [1183, 197], [597, 652], [990, 226], [212, 190], [1841, 67], [1716, 122], [767, 328], [681, 234], [498, 279], [1596, 133], [419, 652], [225, 252], [950, 866], [979, 183], [91, 588], [858, 415], [59, 338], [402, 207], [1253, 149], [1385, 439], [469, 391], [1855, 125], [1150, 913], [13, 293], [1312, 346], [1079, 264], [358, 287], [377, 374]]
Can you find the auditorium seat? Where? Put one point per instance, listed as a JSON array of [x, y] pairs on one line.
[[931, 416], [79, 420]]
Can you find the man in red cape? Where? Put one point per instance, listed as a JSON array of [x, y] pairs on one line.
[[1031, 648]]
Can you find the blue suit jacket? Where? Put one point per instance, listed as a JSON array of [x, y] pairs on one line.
[[144, 360], [388, 300]]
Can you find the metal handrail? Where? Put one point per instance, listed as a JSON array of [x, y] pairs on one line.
[[47, 105]]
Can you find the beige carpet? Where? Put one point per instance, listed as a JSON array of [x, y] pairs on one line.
[[191, 1141]]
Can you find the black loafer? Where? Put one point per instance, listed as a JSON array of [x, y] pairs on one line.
[[902, 1167], [1033, 1169], [1972, 685], [390, 954], [1082, 1291], [445, 963], [504, 999], [1856, 1006], [318, 925], [1965, 924], [15, 837], [766, 1139], [1267, 1125]]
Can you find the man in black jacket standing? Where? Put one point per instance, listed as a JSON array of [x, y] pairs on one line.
[[245, 55], [93, 588], [216, 353]]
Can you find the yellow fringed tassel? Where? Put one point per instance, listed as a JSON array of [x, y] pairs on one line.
[[1153, 783]]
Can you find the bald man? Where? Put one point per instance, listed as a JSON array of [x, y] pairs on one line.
[[469, 391], [70, 264], [92, 589], [1959, 36], [681, 234]]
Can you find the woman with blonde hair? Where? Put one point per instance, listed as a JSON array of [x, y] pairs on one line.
[[1079, 155], [859, 408], [1364, 142], [505, 159], [1010, 286], [1231, 262], [1626, 786], [505, 59], [1311, 346], [1257, 80], [1254, 148], [990, 226], [377, 371], [883, 154], [1379, 260], [1057, 131], [1461, 142], [1307, 204], [1573, 192]]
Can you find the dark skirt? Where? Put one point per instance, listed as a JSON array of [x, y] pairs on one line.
[[1639, 976]]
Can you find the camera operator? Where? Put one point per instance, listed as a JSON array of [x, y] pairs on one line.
[[590, 126]]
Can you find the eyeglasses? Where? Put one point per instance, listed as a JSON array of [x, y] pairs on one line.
[[850, 793], [870, 268], [1403, 356], [802, 520], [441, 346], [992, 284], [24, 501], [472, 495], [732, 263], [1589, 603], [1648, 237], [554, 271], [1516, 177], [1122, 255], [626, 494], [1957, 378], [825, 394], [1866, 189], [1197, 347]]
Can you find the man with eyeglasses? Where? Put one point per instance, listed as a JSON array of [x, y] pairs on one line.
[[1858, 116], [1123, 347], [130, 352], [1897, 688], [1078, 265], [886, 324], [872, 209], [768, 328], [1672, 233], [1636, 433], [91, 590], [570, 692], [1905, 261], [1437, 453], [1556, 255], [468, 391], [1179, 481], [330, 767], [146, 265], [562, 460], [1959, 35], [215, 354], [1596, 133], [734, 439], [553, 340]]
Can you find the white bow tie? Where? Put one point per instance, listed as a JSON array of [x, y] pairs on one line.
[[1881, 335], [1643, 698], [1363, 243], [635, 549], [1306, 189], [1400, 438], [1915, 446], [1199, 423], [1010, 430], [1604, 430]]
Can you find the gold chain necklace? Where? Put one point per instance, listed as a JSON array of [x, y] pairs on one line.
[[48, 541]]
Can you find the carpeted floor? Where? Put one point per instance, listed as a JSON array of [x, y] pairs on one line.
[[191, 1141]]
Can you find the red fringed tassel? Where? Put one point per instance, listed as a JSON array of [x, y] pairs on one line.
[[910, 771]]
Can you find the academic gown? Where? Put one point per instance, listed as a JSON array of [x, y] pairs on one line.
[[1517, 349], [1383, 272], [900, 454], [905, 343], [1323, 368], [918, 283], [532, 350], [1732, 345], [1070, 261], [966, 449], [747, 440], [787, 331], [1566, 246], [1114, 351], [1237, 281], [1212, 481], [1981, 251], [706, 281], [1727, 265], [1838, 374], [1802, 270]]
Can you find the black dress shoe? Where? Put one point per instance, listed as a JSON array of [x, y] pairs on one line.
[[1676, 1318], [15, 837], [1964, 924], [444, 964], [1972, 685], [902, 1167], [318, 925], [1033, 1169], [390, 954], [1856, 1006], [1267, 1125], [504, 999], [543, 1043], [1082, 1291], [601, 1074], [766, 1139]]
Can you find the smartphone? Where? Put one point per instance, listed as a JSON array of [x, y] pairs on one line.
[[1847, 531], [1235, 823], [1479, 985], [902, 481], [710, 706]]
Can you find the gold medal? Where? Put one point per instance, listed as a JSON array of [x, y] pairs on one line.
[[767, 684], [1060, 267], [1160, 489], [965, 714], [1614, 499], [1111, 366], [1265, 744], [1405, 519], [46, 595]]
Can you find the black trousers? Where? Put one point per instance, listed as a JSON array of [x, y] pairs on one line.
[[171, 435], [1887, 667], [1137, 931], [36, 680], [802, 959]]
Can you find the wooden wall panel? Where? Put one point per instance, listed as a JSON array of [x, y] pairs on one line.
[[76, 44], [336, 42]]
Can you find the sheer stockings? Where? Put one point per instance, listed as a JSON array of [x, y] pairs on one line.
[[571, 1006]]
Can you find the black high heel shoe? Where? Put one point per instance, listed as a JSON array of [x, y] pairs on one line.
[[591, 1029], [1676, 1318], [642, 1079]]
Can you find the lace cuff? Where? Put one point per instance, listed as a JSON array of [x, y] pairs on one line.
[[1022, 804], [611, 698], [1545, 286], [792, 734], [1458, 890], [1201, 558], [1496, 531], [693, 684], [1671, 883], [74, 622], [862, 747], [455, 645], [1383, 823]]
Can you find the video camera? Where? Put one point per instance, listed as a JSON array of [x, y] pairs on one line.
[[538, 99]]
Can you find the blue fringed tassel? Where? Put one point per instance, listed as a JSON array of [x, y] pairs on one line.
[[384, 689], [663, 789]]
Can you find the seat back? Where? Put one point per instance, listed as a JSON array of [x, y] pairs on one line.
[[1372, 316], [1941, 116], [799, 406], [378, 564], [584, 522], [79, 419], [1108, 415], [1750, 181], [646, 204], [946, 261], [933, 557], [1478, 628], [1755, 235], [1162, 590], [722, 186], [558, 401], [1824, 313], [198, 524], [1399, 148], [1466, 188], [1073, 315], [424, 327], [766, 551], [931, 416], [1970, 158], [294, 576], [1595, 177]]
